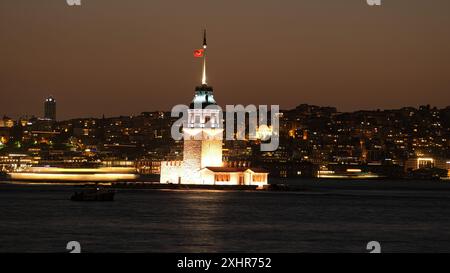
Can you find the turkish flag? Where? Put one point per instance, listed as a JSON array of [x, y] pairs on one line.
[[199, 53]]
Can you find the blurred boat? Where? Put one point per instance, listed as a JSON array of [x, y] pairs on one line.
[[58, 174]]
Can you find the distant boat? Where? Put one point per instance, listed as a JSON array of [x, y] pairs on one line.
[[94, 195]]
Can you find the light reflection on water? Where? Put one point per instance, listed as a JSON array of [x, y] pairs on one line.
[[44, 220]]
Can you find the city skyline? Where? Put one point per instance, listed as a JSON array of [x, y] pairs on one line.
[[43, 110], [117, 58]]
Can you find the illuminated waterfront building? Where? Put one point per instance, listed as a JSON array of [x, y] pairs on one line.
[[416, 163]]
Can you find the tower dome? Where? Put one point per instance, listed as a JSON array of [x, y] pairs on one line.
[[203, 97]]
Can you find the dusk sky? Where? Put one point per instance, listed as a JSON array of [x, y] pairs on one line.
[[123, 57]]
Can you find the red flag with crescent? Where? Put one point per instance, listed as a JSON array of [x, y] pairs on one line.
[[199, 53]]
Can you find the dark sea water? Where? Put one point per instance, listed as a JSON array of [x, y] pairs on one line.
[[319, 219]]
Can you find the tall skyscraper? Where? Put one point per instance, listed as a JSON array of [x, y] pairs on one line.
[[50, 108]]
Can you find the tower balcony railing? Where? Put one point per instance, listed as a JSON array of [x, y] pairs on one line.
[[203, 125]]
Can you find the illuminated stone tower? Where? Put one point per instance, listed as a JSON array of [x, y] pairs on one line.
[[203, 133]]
